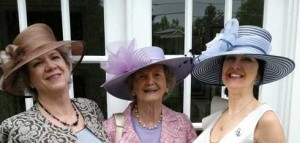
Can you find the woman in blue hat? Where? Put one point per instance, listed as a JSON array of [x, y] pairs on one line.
[[239, 59]]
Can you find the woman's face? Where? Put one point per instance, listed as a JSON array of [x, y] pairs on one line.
[[239, 71], [49, 72], [149, 84]]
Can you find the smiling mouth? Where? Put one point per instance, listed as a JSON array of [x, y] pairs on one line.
[[150, 90], [235, 75], [54, 76]]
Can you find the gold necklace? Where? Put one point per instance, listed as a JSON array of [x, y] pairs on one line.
[[136, 113]]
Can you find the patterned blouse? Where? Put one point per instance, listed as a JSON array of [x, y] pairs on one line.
[[32, 127]]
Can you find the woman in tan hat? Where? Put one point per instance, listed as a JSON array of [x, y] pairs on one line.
[[38, 64], [145, 77]]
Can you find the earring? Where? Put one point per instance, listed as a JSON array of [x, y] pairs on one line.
[[31, 86], [167, 90]]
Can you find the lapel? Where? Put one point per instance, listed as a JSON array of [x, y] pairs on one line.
[[169, 126], [128, 130], [89, 115]]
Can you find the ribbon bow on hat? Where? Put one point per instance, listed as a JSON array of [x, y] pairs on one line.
[[222, 42]]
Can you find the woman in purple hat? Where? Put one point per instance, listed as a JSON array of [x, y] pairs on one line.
[[39, 65], [144, 76], [239, 59]]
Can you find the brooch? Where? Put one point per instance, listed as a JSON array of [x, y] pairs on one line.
[[238, 132]]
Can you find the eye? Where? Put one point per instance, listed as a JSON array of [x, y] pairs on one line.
[[55, 57], [229, 58], [140, 76], [36, 64], [247, 59], [157, 74]]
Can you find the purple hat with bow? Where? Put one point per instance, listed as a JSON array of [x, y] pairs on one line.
[[248, 40], [126, 59]]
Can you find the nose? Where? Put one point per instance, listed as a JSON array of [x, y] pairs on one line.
[[50, 65], [150, 80], [236, 64]]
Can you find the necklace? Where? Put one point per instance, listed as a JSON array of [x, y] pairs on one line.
[[228, 121], [64, 123], [144, 125]]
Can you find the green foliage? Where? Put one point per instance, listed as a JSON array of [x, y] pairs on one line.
[[251, 13], [165, 24]]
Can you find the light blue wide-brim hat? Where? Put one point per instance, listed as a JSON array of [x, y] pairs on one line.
[[248, 40], [125, 60]]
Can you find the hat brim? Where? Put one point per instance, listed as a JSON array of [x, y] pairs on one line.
[[181, 67], [209, 71], [77, 50]]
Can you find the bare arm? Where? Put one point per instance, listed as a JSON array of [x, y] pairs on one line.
[[269, 130]]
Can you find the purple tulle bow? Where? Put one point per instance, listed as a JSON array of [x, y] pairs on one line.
[[120, 58]]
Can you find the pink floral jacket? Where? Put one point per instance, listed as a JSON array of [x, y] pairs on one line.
[[176, 128]]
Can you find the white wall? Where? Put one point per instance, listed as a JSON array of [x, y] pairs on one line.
[[282, 20]]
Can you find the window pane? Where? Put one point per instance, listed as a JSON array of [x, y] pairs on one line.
[[9, 105], [248, 12], [87, 20], [175, 98], [168, 25], [87, 79], [208, 17]]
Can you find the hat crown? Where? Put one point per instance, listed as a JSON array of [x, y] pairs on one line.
[[146, 56], [33, 37], [257, 40], [123, 59]]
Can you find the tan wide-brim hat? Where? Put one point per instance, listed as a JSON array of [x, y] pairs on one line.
[[32, 42]]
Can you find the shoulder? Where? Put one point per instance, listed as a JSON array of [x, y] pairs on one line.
[[23, 116], [172, 115], [109, 124], [19, 120], [84, 101], [268, 119], [269, 128], [85, 104]]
